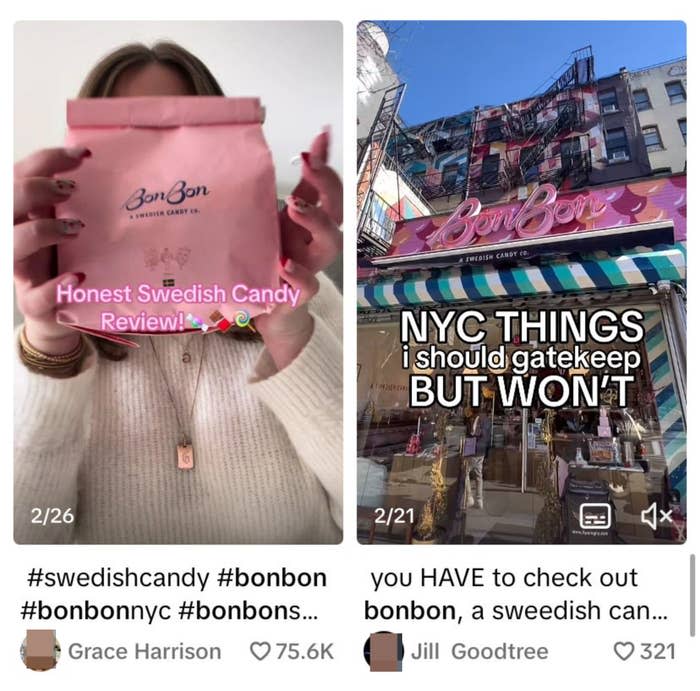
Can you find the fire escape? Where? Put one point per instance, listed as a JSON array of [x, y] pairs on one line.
[[430, 140], [376, 222], [521, 165]]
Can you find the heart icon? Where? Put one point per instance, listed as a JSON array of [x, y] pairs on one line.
[[624, 650], [260, 650]]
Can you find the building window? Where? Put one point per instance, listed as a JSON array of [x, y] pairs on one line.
[[608, 100], [641, 100], [652, 140], [532, 173], [442, 144], [450, 175], [489, 170], [616, 145], [681, 125], [493, 130], [567, 111], [570, 150], [676, 92]]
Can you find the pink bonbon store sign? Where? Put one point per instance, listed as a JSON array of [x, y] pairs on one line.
[[546, 213]]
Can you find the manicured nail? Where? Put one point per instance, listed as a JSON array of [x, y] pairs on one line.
[[288, 265], [71, 226], [312, 161], [78, 152], [64, 186], [299, 204], [73, 279]]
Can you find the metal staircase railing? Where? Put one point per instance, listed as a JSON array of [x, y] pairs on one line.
[[383, 124], [565, 120], [579, 72], [373, 151], [376, 226]]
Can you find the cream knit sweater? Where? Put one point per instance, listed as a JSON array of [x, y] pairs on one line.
[[267, 443]]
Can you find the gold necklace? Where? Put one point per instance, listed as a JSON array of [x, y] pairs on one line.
[[186, 356], [185, 450]]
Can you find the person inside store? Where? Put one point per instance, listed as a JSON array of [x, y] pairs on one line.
[[479, 439], [96, 427]]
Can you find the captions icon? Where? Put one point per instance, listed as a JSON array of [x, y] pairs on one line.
[[595, 516]]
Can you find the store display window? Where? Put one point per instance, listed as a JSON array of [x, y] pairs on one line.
[[498, 474]]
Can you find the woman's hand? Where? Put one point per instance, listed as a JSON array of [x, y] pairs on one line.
[[311, 240], [36, 192]]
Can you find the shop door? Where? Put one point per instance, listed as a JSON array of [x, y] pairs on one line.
[[505, 508]]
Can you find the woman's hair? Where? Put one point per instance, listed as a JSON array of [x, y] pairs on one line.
[[103, 76], [100, 83]]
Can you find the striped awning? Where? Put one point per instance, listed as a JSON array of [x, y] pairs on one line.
[[477, 283]]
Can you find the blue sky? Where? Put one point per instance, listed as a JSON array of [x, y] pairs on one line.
[[450, 67]]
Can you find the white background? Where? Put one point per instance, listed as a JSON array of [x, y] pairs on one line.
[[581, 654], [294, 67]]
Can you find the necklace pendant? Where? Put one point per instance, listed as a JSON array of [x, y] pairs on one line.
[[186, 357], [185, 456]]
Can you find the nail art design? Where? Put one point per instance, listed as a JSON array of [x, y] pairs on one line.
[[64, 186], [71, 226]]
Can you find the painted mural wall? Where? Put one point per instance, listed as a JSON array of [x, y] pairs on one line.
[[587, 136], [433, 167]]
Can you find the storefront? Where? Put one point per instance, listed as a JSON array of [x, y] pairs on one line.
[[618, 247]]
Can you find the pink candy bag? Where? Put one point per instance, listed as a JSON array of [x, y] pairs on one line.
[[179, 205]]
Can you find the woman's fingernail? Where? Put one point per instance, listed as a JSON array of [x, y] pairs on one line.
[[283, 261], [78, 152], [312, 161], [64, 186], [71, 226], [299, 204], [73, 280], [288, 265]]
